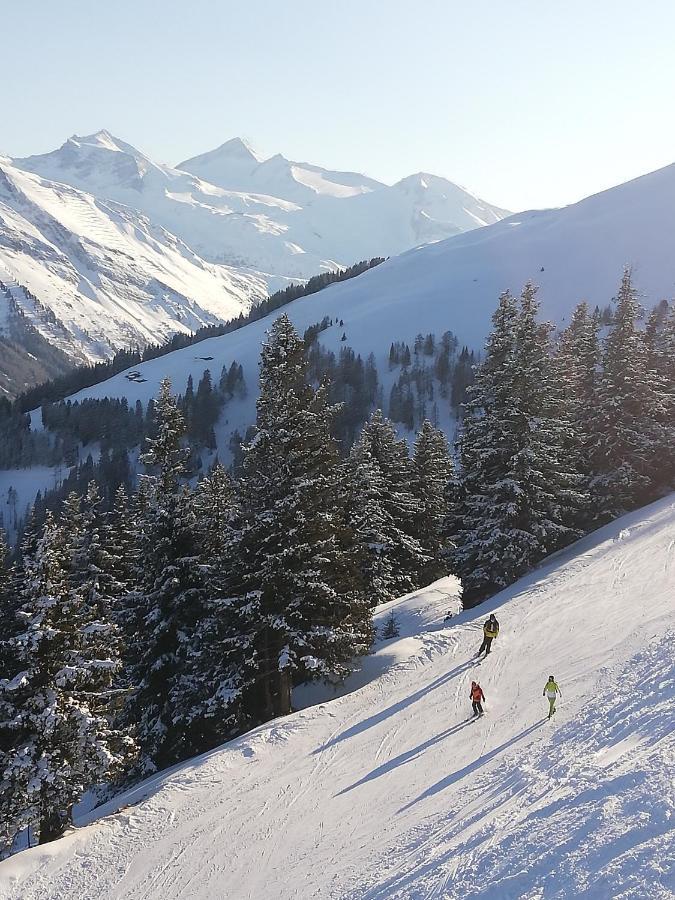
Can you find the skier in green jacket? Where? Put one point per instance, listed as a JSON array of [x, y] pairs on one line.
[[551, 690]]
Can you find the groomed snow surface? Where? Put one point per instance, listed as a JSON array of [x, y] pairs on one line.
[[390, 790]]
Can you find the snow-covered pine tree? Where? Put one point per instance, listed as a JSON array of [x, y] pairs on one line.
[[7, 607], [222, 657], [55, 707], [170, 595], [383, 511], [486, 447], [432, 473], [390, 629], [98, 558], [520, 494], [377, 534], [556, 496], [578, 363], [121, 538], [307, 607], [12, 815], [659, 339], [631, 410], [4, 563], [668, 372]]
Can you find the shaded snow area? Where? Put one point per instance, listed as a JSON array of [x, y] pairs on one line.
[[391, 790]]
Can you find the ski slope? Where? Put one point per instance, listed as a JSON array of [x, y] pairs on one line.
[[390, 791]]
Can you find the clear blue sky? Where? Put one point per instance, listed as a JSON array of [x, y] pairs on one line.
[[526, 103]]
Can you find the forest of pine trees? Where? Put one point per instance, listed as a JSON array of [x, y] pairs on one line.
[[142, 631], [142, 628], [561, 436]]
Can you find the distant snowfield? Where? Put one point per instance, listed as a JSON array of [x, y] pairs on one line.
[[126, 251], [391, 791]]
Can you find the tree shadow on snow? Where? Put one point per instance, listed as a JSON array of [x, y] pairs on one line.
[[397, 707], [454, 777], [407, 756]]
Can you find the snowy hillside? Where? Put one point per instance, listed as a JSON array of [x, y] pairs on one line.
[[103, 276], [454, 285], [116, 250], [391, 790], [276, 216]]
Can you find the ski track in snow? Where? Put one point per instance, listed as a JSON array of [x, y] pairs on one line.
[[390, 791]]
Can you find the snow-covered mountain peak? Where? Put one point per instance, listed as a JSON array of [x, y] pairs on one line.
[[236, 166], [434, 184], [418, 180], [268, 220], [103, 139], [94, 163], [235, 149]]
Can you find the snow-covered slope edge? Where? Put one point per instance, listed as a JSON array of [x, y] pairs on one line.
[[110, 276], [391, 792]]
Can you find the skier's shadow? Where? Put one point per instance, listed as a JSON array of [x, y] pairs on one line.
[[406, 757], [472, 766], [398, 707]]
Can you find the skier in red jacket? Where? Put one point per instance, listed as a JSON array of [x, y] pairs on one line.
[[476, 696]]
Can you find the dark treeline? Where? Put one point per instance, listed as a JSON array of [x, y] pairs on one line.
[[110, 422], [413, 396], [184, 616], [432, 381], [85, 376], [432, 374]]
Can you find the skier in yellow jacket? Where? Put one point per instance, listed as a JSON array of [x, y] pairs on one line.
[[551, 690], [490, 632]]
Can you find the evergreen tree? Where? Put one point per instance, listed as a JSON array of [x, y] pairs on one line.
[[462, 377], [221, 663], [384, 509], [577, 363], [57, 734], [170, 594], [521, 496], [205, 412], [5, 578], [376, 532], [631, 410], [659, 339], [307, 609], [390, 629], [432, 472]]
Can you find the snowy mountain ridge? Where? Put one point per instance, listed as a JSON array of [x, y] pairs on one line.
[[454, 285], [110, 276], [236, 166], [272, 215], [390, 791], [124, 251]]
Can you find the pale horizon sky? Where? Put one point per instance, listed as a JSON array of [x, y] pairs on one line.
[[527, 104]]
